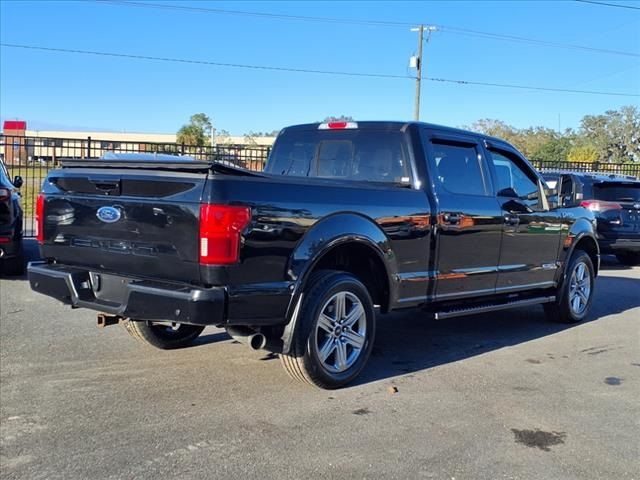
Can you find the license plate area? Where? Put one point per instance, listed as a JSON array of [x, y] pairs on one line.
[[109, 288]]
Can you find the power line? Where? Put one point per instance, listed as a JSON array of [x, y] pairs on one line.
[[604, 4], [531, 87], [543, 43], [307, 70], [204, 62], [379, 23], [278, 16]]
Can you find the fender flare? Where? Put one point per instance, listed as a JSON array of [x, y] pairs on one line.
[[326, 235], [581, 228]]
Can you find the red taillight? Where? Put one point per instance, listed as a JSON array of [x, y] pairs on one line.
[[600, 206], [5, 239], [40, 219], [220, 230], [5, 194]]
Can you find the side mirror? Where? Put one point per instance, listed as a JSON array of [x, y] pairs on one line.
[[17, 181], [508, 192]]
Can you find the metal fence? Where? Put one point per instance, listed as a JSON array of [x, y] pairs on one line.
[[631, 169], [45, 151], [33, 157]]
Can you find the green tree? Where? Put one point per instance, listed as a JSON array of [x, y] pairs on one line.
[[555, 149], [197, 132], [223, 137], [496, 128], [614, 134], [583, 153]]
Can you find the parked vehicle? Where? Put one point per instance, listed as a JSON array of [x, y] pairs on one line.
[[11, 251], [348, 217], [615, 201]]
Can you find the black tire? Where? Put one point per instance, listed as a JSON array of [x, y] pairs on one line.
[[163, 336], [561, 310], [629, 258], [13, 266], [303, 362]]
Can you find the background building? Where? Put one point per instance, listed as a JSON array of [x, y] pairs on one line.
[[20, 145]]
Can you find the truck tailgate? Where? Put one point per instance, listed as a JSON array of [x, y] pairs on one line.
[[133, 222]]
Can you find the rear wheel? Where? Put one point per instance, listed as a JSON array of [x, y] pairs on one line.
[[576, 293], [163, 335], [629, 258], [335, 331]]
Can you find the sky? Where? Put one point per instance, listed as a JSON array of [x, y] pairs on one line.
[[56, 90]]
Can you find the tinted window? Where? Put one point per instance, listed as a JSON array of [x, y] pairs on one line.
[[365, 155], [511, 176], [617, 192], [459, 168], [566, 191]]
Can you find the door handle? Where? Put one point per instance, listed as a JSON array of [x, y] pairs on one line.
[[452, 218], [511, 219]]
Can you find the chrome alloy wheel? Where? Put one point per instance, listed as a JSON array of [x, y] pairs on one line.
[[340, 332], [579, 288]]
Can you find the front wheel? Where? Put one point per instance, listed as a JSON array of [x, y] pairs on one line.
[[629, 258], [163, 336], [576, 292], [335, 332]]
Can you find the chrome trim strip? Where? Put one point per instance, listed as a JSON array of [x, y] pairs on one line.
[[464, 294], [526, 286], [411, 276]]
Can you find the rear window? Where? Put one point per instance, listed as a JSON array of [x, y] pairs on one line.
[[616, 192], [361, 155]]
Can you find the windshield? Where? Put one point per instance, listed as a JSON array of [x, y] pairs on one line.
[[617, 192], [363, 155]]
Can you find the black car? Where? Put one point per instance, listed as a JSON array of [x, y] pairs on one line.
[[11, 253], [615, 200]]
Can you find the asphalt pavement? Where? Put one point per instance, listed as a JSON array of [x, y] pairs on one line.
[[505, 395]]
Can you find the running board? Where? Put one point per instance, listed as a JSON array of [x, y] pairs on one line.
[[492, 307]]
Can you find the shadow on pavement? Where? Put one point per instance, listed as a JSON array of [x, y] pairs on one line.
[[410, 341], [611, 263]]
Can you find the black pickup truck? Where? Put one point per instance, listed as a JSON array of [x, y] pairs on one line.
[[346, 218]]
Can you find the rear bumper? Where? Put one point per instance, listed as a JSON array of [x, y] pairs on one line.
[[132, 298], [618, 245]]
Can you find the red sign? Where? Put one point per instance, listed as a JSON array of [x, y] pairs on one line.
[[14, 125]]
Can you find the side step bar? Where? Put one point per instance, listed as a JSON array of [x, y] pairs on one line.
[[492, 307]]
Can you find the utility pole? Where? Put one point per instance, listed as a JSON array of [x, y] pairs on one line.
[[418, 67], [416, 62]]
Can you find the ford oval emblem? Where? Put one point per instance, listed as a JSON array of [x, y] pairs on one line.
[[108, 214]]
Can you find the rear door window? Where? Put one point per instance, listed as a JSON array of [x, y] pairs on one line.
[[356, 155], [617, 192], [459, 168]]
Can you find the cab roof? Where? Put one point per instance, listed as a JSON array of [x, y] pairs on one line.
[[394, 125]]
